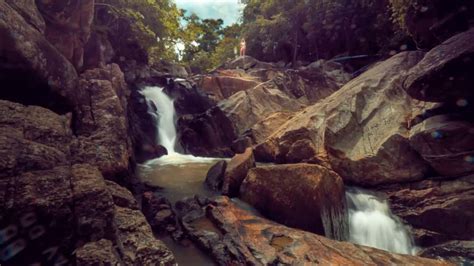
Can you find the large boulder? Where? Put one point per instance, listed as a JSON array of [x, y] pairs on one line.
[[437, 210], [246, 108], [236, 171], [207, 134], [305, 196], [457, 252], [361, 130], [446, 143], [445, 73], [102, 124], [235, 236], [29, 11]]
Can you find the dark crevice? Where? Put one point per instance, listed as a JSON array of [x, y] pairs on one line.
[[24, 87]]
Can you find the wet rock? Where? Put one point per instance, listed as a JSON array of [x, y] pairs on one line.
[[187, 98], [121, 196], [215, 175], [236, 171], [234, 236], [137, 244], [457, 252], [158, 211], [438, 210], [446, 143], [305, 196], [241, 144], [101, 252], [444, 74], [208, 134], [361, 130]]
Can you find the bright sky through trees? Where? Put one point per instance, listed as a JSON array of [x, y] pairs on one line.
[[227, 10]]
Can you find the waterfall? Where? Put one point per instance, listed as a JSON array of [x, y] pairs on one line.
[[165, 114], [372, 223], [166, 127]]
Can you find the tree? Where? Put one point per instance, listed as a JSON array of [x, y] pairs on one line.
[[153, 25]]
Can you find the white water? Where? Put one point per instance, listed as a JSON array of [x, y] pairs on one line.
[[167, 134], [371, 223]]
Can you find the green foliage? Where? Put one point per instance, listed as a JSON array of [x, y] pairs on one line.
[[314, 29], [207, 44], [152, 24]]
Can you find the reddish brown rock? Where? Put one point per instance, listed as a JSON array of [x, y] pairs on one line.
[[361, 130], [234, 236], [305, 196], [236, 171]]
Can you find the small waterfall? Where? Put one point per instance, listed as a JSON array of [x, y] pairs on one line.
[[167, 115], [167, 133], [372, 223]]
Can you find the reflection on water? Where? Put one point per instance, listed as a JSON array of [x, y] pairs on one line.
[[188, 255], [179, 175]]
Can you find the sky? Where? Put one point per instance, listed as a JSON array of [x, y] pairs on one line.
[[227, 10]]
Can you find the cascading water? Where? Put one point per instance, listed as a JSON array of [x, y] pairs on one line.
[[167, 115], [167, 134], [371, 223]]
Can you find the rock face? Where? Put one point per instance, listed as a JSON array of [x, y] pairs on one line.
[[360, 130], [236, 171], [24, 47], [309, 197], [68, 26], [446, 143], [39, 176], [102, 124], [457, 252], [235, 236], [207, 134], [249, 91], [445, 73], [438, 210], [97, 253]]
